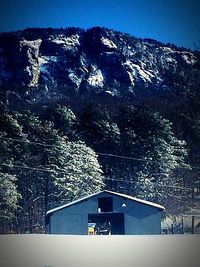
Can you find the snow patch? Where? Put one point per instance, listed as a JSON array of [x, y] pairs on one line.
[[170, 60], [32, 44], [44, 69], [149, 251], [188, 58], [44, 61], [166, 223], [28, 69], [135, 71], [67, 42], [47, 59], [108, 43], [168, 49], [33, 72], [96, 78], [108, 92], [75, 79], [114, 92]]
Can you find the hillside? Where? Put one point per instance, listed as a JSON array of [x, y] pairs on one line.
[[50, 65]]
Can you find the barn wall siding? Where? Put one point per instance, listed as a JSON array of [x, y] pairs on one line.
[[144, 226]]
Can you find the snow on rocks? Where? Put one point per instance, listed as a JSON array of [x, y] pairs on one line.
[[35, 44], [168, 49], [169, 54], [170, 60], [108, 43], [44, 66], [144, 74], [188, 58], [67, 42], [135, 72], [75, 79], [43, 60], [32, 54], [120, 60], [96, 78], [47, 59], [33, 72]]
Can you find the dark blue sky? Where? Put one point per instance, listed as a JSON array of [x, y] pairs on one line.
[[173, 21]]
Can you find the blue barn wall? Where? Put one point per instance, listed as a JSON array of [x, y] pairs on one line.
[[139, 218]]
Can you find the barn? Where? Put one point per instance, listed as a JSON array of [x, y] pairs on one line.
[[105, 213]]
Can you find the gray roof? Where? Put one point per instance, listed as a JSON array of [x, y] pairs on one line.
[[110, 192]]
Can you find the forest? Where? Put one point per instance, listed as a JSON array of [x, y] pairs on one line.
[[65, 151]]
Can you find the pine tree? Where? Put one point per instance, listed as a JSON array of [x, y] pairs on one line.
[[156, 150], [9, 197], [50, 169], [81, 173], [64, 120]]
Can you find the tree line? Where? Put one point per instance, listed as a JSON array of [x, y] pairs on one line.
[[60, 155]]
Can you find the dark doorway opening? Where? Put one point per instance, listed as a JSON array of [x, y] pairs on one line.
[[106, 223], [105, 204]]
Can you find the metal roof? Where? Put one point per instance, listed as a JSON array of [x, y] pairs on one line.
[[110, 192], [149, 203]]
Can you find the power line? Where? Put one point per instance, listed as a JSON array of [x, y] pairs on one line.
[[103, 178], [26, 167], [125, 157], [26, 141], [98, 153], [135, 182]]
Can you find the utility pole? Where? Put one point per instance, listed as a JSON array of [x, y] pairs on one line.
[[182, 225], [192, 211], [192, 224], [194, 190]]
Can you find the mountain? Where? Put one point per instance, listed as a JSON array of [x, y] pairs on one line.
[[51, 65]]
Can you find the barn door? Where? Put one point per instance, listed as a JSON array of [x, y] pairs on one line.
[[106, 223]]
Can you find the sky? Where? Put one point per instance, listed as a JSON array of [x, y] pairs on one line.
[[168, 21]]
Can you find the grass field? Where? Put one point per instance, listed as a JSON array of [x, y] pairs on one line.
[[94, 251]]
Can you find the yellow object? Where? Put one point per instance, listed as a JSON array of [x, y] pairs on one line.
[[90, 231]]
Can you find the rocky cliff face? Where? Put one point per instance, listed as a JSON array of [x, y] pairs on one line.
[[42, 65]]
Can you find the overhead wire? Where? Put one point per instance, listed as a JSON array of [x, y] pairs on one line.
[[126, 157], [25, 141], [26, 167], [98, 153], [104, 178]]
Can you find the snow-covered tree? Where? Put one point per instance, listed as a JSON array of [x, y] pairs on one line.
[[50, 169], [8, 197], [80, 172], [156, 150], [64, 120]]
